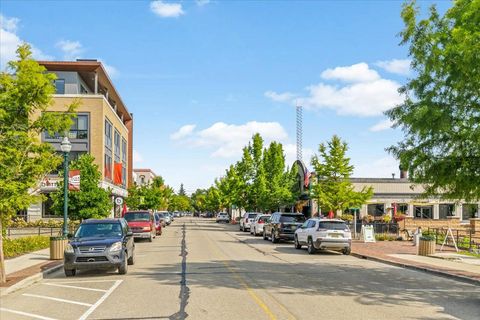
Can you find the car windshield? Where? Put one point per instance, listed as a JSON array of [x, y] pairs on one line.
[[137, 216], [160, 215], [332, 225], [252, 215], [99, 230], [292, 218]]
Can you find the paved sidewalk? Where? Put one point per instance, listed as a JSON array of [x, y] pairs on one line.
[[404, 254], [26, 269]]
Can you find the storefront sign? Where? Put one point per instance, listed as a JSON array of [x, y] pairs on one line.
[[118, 201]]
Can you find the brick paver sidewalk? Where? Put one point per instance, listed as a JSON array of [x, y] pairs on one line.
[[382, 251]]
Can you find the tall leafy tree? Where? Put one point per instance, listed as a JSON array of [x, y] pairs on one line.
[[440, 115], [333, 189], [182, 192], [25, 96], [198, 200], [91, 201]]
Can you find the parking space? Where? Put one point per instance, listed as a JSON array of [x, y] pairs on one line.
[[51, 299]]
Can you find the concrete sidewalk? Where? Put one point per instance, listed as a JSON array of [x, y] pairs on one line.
[[26, 269], [402, 253]]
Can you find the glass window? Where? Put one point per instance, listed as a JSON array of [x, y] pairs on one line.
[[78, 130], [47, 211], [469, 210], [108, 165], [60, 86], [446, 210], [332, 225], [137, 216], [376, 209], [402, 208], [108, 134], [311, 224], [100, 230], [292, 218], [423, 212], [124, 150], [116, 143], [83, 90]]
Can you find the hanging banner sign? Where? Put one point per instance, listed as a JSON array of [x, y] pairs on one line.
[[368, 234], [74, 180]]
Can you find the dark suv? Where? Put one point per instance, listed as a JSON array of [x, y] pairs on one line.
[[100, 244], [282, 226]]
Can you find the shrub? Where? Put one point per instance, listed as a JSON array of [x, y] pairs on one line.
[[385, 237], [347, 217], [427, 236], [386, 218], [16, 247], [18, 222]]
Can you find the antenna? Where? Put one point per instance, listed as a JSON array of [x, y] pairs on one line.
[[299, 132]]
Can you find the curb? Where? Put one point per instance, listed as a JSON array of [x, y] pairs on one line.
[[423, 269], [28, 281]]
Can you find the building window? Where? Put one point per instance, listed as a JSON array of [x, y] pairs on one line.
[[78, 130], [47, 204], [116, 143], [423, 212], [402, 208], [469, 210], [446, 210], [376, 209], [108, 150], [59, 86], [83, 90]]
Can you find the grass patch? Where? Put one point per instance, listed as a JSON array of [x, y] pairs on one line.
[[17, 247], [468, 253]]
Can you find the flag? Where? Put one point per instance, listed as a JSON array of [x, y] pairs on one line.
[[307, 178], [117, 173], [394, 205], [124, 210], [74, 180]]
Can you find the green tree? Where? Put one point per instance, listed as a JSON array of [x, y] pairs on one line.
[[333, 189], [440, 115], [198, 200], [155, 196], [91, 201], [213, 201], [25, 96], [182, 192]]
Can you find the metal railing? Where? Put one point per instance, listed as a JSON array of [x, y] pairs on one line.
[[464, 238], [15, 233]]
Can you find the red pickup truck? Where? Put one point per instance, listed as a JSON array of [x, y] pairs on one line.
[[142, 224]]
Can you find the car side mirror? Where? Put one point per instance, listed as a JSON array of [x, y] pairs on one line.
[[129, 233]]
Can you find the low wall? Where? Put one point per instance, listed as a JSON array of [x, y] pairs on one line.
[[411, 224]]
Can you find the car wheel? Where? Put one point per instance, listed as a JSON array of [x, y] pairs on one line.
[[123, 269], [131, 260], [310, 248], [70, 272], [274, 238], [346, 251], [241, 228], [297, 244], [265, 235]]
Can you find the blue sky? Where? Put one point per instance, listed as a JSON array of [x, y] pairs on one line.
[[202, 76]]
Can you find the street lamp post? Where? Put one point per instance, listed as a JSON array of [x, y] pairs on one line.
[[65, 146]]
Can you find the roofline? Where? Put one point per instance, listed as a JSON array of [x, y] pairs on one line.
[[86, 66]]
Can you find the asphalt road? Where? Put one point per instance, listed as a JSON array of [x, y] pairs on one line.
[[202, 270]]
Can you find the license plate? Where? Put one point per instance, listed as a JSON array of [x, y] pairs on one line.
[[334, 235]]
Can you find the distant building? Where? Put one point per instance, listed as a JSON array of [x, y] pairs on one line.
[[143, 177], [103, 127]]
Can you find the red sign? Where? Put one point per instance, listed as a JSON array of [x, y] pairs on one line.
[[117, 173], [74, 180]]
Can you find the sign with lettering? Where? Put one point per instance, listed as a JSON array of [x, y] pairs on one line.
[[74, 180], [368, 234]]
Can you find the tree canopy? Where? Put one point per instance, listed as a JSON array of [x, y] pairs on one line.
[[440, 115]]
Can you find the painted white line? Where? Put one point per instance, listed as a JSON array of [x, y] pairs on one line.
[[85, 281], [31, 315], [57, 299], [442, 290], [99, 302], [73, 287]]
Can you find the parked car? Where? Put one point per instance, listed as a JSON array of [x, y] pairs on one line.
[[171, 216], [246, 220], [99, 244], [257, 225], [329, 234], [167, 217], [158, 224], [223, 217], [282, 226], [142, 224], [161, 215]]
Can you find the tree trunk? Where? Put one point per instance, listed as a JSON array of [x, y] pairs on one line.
[[3, 276]]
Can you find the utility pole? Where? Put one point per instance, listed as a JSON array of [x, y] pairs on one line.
[[299, 132]]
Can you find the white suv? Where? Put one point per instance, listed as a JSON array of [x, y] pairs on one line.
[[247, 220], [329, 234]]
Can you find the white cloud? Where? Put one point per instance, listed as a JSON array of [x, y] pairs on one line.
[[290, 150], [183, 132], [201, 3], [166, 10], [279, 97], [137, 157], [227, 140], [359, 72], [376, 168], [381, 126], [397, 66], [111, 70], [71, 49], [9, 42]]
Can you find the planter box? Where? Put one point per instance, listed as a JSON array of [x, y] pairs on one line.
[[426, 247], [57, 247]]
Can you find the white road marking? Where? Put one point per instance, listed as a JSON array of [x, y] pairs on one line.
[[73, 287], [85, 281], [442, 290], [31, 315], [57, 299], [99, 302]]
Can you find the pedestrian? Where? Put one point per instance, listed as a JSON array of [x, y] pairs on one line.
[[416, 236]]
